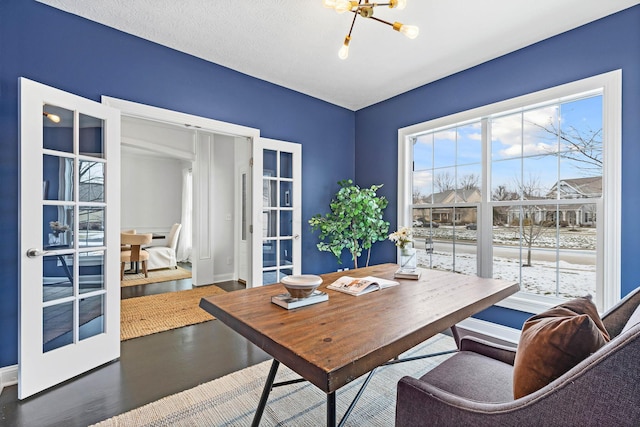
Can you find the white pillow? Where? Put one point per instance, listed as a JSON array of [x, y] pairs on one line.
[[633, 320]]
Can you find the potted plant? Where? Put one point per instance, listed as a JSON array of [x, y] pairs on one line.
[[355, 221]]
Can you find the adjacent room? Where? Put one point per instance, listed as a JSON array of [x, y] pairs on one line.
[[326, 212]]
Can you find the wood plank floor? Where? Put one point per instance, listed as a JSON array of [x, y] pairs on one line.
[[149, 368]]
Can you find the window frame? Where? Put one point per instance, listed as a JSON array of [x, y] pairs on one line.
[[608, 258]]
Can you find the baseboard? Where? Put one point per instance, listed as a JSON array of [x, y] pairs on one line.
[[8, 376], [489, 331]]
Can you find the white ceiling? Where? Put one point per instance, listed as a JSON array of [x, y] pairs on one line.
[[294, 43]]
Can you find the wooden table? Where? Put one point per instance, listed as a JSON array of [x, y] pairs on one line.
[[333, 343]]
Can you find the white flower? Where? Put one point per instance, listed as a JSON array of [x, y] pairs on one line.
[[402, 237]]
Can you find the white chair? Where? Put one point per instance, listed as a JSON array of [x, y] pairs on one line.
[[165, 256]]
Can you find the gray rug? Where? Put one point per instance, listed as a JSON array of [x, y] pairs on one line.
[[232, 400]]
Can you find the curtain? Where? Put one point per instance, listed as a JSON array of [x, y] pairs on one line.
[[183, 252]]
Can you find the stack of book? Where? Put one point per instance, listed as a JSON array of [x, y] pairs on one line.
[[289, 302], [407, 273]]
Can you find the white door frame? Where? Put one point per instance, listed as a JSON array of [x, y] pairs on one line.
[[147, 112], [39, 369], [260, 209]]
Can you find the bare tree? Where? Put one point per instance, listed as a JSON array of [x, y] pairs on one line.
[[469, 182], [500, 213], [444, 181], [418, 197], [584, 146], [531, 222]]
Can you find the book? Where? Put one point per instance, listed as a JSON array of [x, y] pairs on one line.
[[407, 273], [288, 302], [360, 285]]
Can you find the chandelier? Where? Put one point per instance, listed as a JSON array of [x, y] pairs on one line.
[[365, 10]]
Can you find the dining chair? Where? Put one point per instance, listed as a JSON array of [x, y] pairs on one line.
[[165, 256], [135, 253]]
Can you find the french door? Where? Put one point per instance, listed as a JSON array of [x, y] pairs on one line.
[[69, 236], [277, 210]]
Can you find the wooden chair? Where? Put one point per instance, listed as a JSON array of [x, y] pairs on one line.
[[135, 252]]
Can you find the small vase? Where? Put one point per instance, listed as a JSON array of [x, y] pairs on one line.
[[408, 259], [53, 239]]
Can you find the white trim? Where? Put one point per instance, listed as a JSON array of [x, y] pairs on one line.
[[147, 112], [610, 265], [8, 376], [489, 331]]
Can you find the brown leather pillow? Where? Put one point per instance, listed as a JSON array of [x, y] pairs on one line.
[[555, 341]]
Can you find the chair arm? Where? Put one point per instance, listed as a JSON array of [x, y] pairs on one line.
[[495, 351], [617, 316]]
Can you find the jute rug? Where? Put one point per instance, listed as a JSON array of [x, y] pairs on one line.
[[157, 313], [155, 276], [232, 400]]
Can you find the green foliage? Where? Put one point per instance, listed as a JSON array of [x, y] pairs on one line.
[[355, 221]]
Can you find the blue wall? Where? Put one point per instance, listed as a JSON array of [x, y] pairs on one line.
[[605, 45], [90, 60]]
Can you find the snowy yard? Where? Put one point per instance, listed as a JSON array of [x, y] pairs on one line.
[[575, 275]]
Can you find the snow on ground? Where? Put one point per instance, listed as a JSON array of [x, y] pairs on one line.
[[571, 279]]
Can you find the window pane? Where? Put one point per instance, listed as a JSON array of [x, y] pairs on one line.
[[468, 184], [91, 136], [57, 326], [286, 165], [506, 137], [57, 175], [91, 182], [444, 152], [91, 227], [469, 144], [423, 152], [91, 311], [506, 176], [57, 129], [91, 271], [57, 227], [423, 187], [57, 277], [270, 163]]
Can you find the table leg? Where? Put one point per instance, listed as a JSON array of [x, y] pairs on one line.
[[265, 393], [331, 409]]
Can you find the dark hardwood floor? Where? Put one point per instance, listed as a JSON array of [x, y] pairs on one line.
[[149, 368]]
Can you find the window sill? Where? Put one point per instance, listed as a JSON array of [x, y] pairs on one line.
[[529, 303]]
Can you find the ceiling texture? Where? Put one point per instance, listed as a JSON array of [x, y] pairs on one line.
[[295, 43]]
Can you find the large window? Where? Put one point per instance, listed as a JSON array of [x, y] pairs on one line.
[[515, 191]]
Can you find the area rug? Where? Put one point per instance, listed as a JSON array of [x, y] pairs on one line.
[[157, 313], [155, 276], [232, 400]]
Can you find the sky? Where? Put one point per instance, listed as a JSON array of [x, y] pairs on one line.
[[523, 154]]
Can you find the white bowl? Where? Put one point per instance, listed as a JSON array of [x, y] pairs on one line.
[[301, 285]]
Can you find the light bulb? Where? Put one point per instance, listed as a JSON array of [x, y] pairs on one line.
[[343, 53], [411, 31], [343, 6], [329, 3], [399, 4], [53, 117]]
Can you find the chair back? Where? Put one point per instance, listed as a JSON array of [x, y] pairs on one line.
[[173, 236], [135, 241]]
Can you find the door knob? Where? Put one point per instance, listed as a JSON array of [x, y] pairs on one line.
[[35, 253]]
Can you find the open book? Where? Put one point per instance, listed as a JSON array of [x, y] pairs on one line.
[[360, 285]]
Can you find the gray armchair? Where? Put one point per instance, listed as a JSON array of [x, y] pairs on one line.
[[475, 386]]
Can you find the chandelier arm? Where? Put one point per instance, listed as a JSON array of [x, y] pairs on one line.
[[381, 20], [355, 15]]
